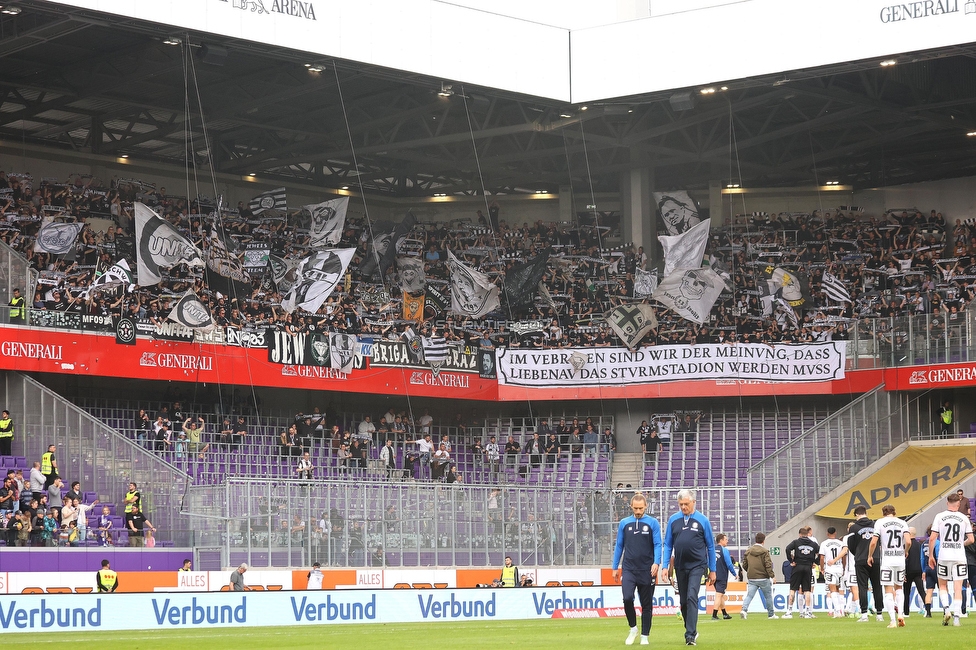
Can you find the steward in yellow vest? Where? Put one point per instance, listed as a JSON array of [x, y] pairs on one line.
[[510, 575], [107, 580]]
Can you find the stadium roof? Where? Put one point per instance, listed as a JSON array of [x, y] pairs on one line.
[[81, 81]]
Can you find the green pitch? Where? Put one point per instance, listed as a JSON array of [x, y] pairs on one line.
[[667, 632]]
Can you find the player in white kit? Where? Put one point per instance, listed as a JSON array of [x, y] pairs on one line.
[[892, 534], [832, 565], [954, 532], [849, 581]]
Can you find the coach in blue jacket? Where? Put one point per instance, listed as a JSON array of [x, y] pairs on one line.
[[689, 536], [639, 541]]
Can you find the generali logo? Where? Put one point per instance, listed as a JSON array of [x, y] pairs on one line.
[[965, 374], [897, 13], [179, 361]]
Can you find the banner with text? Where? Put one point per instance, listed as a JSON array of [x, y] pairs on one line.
[[620, 366]]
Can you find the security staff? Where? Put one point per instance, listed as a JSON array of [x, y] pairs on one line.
[[106, 579], [945, 419], [510, 576], [49, 467], [6, 433], [639, 542], [18, 308]]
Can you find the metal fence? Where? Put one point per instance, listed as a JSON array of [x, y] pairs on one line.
[[798, 474], [90, 452], [377, 524]]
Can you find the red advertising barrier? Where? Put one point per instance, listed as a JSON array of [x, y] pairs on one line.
[[96, 354], [40, 350]]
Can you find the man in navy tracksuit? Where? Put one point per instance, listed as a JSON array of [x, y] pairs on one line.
[[689, 536], [639, 541]]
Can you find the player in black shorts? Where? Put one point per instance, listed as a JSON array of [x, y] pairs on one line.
[[801, 554]]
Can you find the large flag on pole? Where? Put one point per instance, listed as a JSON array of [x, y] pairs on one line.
[[632, 323], [685, 250], [272, 203], [317, 277], [834, 288], [57, 237], [645, 283], [522, 280], [412, 276], [472, 293], [190, 311], [677, 210], [119, 274], [328, 220], [159, 246], [225, 271], [690, 294]]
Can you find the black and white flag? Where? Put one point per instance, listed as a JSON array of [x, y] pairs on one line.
[[415, 345], [343, 351], [383, 245], [190, 312], [436, 350], [790, 313], [269, 204], [117, 275], [690, 294], [677, 210], [159, 246], [686, 250], [57, 237], [412, 277], [328, 221], [316, 278], [834, 288], [225, 271], [472, 293], [521, 281], [632, 323], [645, 282]]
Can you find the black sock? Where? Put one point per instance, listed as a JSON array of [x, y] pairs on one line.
[[724, 613], [928, 608]]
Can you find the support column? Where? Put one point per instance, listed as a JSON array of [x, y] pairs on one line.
[[716, 208], [639, 210], [567, 210]]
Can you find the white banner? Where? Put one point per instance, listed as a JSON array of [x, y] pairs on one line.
[[109, 612], [655, 364]]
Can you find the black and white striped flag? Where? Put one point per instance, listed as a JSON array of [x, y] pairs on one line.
[[834, 288], [435, 349], [269, 204]]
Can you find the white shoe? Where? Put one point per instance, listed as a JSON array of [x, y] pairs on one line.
[[644, 640], [772, 617], [743, 615], [879, 618], [955, 621], [892, 625], [788, 615], [964, 615], [632, 636], [863, 618]]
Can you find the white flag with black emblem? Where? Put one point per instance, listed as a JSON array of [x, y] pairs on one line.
[[412, 277], [343, 351], [472, 293], [834, 288], [119, 274], [690, 294], [57, 237], [159, 246], [272, 203], [328, 220], [190, 312], [316, 278], [645, 283], [632, 323], [685, 250]]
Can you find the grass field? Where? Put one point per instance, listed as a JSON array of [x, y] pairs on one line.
[[668, 632]]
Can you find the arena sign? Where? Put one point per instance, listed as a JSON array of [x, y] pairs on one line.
[[619, 366]]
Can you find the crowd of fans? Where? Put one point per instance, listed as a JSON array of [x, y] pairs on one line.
[[901, 263], [38, 510]]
